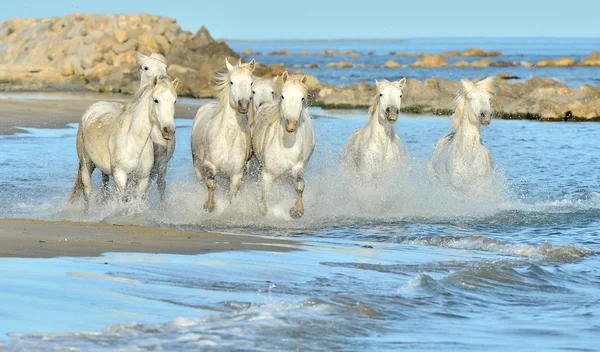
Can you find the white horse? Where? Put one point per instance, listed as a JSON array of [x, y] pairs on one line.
[[148, 68], [263, 91], [375, 148], [283, 139], [460, 159], [120, 145], [220, 138]]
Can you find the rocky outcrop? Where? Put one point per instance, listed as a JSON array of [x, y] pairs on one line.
[[95, 52], [592, 60], [536, 98], [430, 61], [562, 62]]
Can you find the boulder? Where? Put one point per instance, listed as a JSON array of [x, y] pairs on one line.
[[479, 52], [353, 55], [461, 63], [391, 64], [312, 66], [129, 45], [592, 60], [430, 61], [279, 52], [67, 69], [305, 52], [482, 63], [120, 36], [562, 62]]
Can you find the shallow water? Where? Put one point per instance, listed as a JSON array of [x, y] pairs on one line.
[[384, 266], [513, 49]]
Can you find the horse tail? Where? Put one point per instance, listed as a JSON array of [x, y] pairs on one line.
[[78, 187]]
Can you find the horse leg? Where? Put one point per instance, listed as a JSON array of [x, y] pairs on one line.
[[297, 211], [236, 182], [120, 178], [198, 168], [103, 196], [211, 184], [142, 186], [86, 172], [267, 179]]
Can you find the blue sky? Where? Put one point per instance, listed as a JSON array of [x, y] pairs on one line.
[[322, 19]]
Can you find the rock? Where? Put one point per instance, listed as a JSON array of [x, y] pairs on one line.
[[93, 37], [360, 66], [305, 52], [430, 61], [482, 63], [97, 72], [67, 69], [277, 69], [451, 54], [353, 55], [480, 52], [90, 57], [147, 44], [562, 62], [341, 64], [505, 76], [250, 52], [312, 66], [179, 71], [129, 45], [461, 63], [279, 52], [391, 64], [120, 36], [592, 60]]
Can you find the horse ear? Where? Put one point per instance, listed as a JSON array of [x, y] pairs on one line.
[[467, 86], [175, 83], [275, 79], [377, 84], [304, 79], [228, 65], [284, 77], [402, 82], [487, 84], [252, 65], [139, 57], [239, 63]]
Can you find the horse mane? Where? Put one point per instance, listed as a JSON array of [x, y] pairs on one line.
[[163, 83], [467, 90], [222, 78], [159, 57]]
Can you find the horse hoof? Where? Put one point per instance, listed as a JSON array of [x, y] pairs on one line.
[[209, 207], [295, 214]]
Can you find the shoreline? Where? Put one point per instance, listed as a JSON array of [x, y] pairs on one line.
[[29, 238], [22, 109]]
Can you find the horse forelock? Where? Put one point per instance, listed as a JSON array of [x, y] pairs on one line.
[[296, 81]]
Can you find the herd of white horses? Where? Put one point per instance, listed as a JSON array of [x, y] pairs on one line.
[[261, 124]]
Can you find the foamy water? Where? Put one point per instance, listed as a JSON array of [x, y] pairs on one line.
[[394, 264]]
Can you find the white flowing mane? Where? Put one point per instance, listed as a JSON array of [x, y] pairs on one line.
[[222, 85], [163, 84], [485, 87]]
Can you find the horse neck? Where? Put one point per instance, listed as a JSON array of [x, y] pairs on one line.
[[467, 132], [138, 119], [289, 139], [380, 125]]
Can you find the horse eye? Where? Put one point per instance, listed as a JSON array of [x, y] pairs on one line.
[[302, 98], [253, 92], [282, 97], [482, 114], [156, 101], [251, 83], [380, 95], [400, 95], [175, 102], [272, 93], [146, 68], [231, 82]]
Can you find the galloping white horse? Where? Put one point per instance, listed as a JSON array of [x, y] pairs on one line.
[[283, 139], [460, 159], [120, 145], [220, 132], [263, 91], [148, 68], [376, 148]]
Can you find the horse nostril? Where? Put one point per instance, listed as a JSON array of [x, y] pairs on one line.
[[483, 114], [166, 130], [387, 110]]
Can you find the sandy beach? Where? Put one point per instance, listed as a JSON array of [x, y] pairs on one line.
[[56, 110], [27, 238]]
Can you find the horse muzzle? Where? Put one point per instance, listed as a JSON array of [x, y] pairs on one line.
[[392, 114], [291, 126], [243, 106], [168, 133]]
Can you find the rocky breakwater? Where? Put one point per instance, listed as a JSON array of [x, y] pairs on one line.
[[96, 52], [536, 98]]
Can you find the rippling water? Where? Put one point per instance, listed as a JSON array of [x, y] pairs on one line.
[[513, 49], [396, 264]]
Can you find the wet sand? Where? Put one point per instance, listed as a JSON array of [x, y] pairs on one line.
[[56, 110], [46, 239]]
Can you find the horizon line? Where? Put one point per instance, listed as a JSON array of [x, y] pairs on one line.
[[395, 39]]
